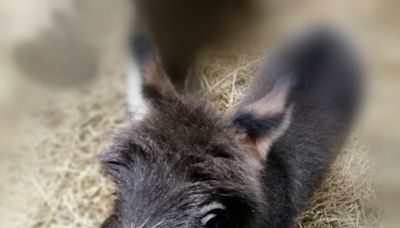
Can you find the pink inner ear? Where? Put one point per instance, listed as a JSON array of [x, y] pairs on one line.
[[266, 119], [273, 103], [250, 143], [265, 143], [260, 146]]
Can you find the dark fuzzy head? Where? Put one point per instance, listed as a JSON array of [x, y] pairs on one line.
[[181, 167], [179, 164]]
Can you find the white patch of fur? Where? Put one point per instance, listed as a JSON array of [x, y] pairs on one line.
[[144, 224], [137, 104], [207, 209], [207, 218], [212, 206]]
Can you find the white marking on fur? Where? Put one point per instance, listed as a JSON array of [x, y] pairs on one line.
[[207, 209], [158, 224], [207, 218], [137, 104], [212, 206], [145, 222], [141, 226]]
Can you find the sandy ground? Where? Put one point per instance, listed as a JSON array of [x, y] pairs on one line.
[[62, 95]]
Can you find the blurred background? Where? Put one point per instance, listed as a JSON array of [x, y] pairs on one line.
[[62, 94]]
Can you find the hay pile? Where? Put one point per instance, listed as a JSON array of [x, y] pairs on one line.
[[57, 170]]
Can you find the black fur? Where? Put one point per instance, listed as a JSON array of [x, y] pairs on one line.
[[175, 162]]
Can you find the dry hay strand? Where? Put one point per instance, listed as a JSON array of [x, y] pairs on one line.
[[225, 76], [67, 135]]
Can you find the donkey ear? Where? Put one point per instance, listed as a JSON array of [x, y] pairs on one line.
[[260, 123], [147, 86], [147, 80]]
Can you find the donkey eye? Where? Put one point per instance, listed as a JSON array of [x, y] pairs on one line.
[[215, 220]]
